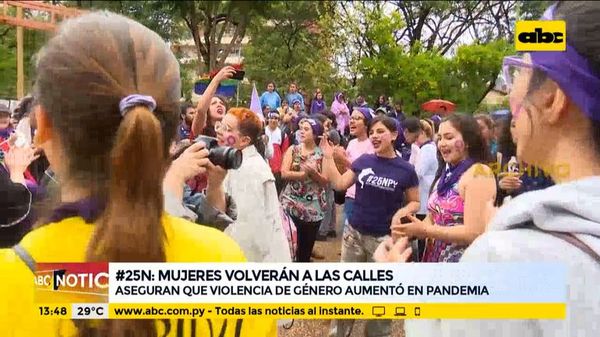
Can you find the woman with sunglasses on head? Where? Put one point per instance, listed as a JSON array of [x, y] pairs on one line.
[[258, 228], [386, 191], [106, 122], [555, 103], [304, 195]]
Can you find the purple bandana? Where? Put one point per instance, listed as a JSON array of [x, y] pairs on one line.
[[573, 73], [366, 112], [317, 128], [452, 175]]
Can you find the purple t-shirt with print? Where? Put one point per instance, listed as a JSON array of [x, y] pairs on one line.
[[380, 186]]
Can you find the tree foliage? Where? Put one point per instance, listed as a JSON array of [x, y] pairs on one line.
[[206, 22], [291, 45], [149, 13], [411, 50], [32, 41], [420, 74]]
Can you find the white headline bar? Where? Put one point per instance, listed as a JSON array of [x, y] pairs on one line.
[[337, 283]]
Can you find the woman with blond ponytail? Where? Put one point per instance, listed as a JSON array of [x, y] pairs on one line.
[[109, 92]]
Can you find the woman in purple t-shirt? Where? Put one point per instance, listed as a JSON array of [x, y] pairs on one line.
[[387, 189]]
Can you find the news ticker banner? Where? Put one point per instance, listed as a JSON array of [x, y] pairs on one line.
[[302, 291]]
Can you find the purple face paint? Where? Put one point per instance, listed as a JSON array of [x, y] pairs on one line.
[[230, 140], [459, 145]]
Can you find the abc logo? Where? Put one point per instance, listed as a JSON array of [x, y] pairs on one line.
[[540, 36]]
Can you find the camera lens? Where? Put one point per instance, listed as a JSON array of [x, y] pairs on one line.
[[226, 157]]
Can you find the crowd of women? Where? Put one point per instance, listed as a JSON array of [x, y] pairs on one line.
[[130, 174]]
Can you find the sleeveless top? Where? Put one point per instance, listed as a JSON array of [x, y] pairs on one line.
[[445, 210], [305, 199]]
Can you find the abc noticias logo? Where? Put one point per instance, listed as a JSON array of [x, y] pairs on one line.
[[541, 36], [71, 282]]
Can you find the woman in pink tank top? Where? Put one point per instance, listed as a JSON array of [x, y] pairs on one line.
[[460, 197]]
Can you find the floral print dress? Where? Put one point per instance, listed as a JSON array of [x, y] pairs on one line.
[[305, 199]]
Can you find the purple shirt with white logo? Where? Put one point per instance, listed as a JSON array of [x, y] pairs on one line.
[[380, 186]]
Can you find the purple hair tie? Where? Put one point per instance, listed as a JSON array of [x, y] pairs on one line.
[[135, 100]]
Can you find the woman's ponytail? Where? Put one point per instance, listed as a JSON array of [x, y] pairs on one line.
[[130, 229]]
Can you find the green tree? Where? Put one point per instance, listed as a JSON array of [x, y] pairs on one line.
[[206, 22], [32, 41], [149, 13], [292, 45], [532, 10], [418, 75]]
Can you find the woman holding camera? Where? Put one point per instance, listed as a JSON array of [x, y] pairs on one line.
[[106, 119], [258, 228], [304, 196]]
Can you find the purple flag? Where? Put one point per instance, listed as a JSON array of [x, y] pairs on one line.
[[255, 103]]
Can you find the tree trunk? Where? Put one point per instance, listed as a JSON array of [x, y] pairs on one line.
[[214, 45], [418, 30]]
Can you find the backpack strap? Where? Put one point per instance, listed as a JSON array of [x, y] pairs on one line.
[[568, 237], [572, 239], [24, 255]]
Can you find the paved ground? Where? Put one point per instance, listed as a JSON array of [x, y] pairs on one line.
[[319, 328]]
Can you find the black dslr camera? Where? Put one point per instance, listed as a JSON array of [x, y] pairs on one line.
[[224, 156]]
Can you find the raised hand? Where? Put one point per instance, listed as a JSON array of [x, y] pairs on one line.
[[326, 147], [18, 158], [225, 73]]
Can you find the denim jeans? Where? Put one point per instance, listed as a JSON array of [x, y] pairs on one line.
[[357, 247], [329, 221], [348, 208]]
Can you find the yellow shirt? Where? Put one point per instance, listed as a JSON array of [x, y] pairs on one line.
[[66, 241]]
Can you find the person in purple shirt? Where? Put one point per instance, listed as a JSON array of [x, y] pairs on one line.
[[387, 190], [318, 104]]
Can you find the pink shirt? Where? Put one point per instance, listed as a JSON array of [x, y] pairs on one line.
[[354, 150]]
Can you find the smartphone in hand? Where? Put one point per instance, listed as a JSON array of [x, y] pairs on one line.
[[239, 75]]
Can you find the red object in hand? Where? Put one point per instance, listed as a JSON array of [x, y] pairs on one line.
[[238, 67]]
